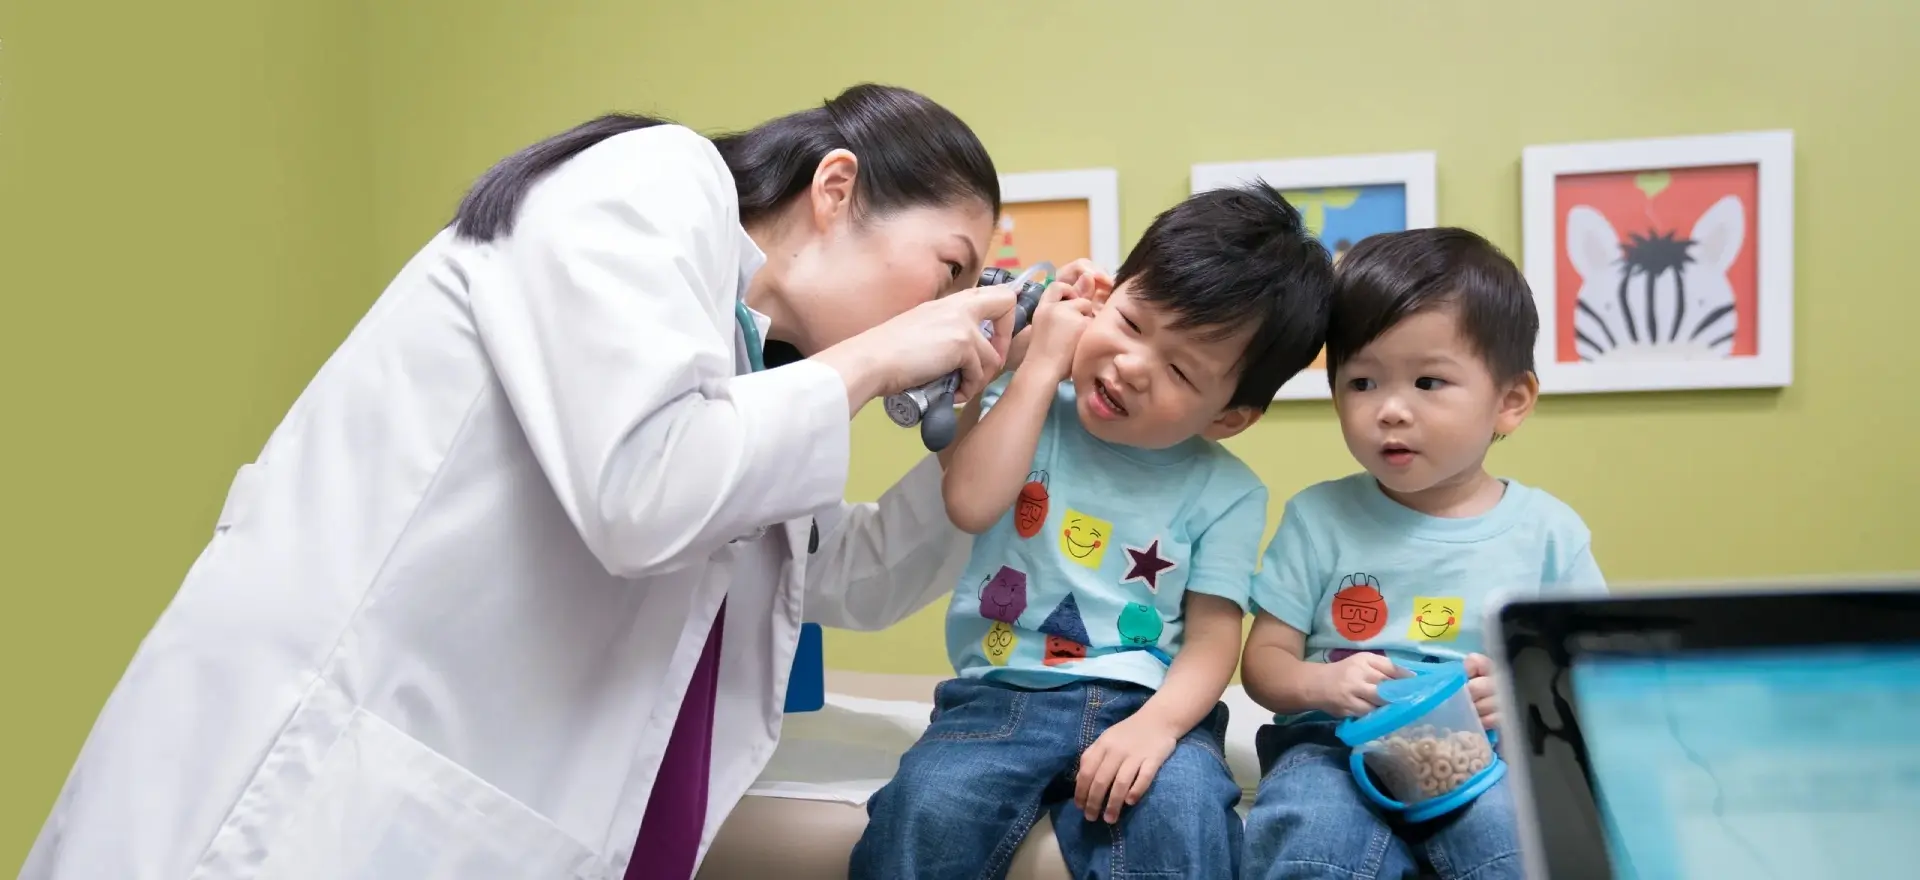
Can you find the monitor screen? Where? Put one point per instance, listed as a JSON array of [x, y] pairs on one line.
[[1752, 763]]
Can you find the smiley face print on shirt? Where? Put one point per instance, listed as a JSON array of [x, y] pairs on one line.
[[1436, 618], [1084, 538]]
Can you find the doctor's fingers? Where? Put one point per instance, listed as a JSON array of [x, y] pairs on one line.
[[978, 365], [992, 304]]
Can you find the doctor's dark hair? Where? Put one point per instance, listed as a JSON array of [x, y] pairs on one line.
[[1390, 277], [1227, 260], [912, 153]]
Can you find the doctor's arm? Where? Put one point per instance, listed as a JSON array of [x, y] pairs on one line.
[[607, 317], [880, 562]]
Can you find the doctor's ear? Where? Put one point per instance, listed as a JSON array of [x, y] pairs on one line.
[[832, 189]]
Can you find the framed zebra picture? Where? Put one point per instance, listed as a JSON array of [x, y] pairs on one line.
[[1662, 264], [1343, 199], [1058, 217]]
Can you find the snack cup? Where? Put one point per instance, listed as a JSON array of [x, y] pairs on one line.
[[1425, 745]]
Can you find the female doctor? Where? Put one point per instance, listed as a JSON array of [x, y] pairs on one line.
[[513, 591]]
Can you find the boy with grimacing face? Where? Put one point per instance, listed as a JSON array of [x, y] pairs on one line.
[[1098, 620]]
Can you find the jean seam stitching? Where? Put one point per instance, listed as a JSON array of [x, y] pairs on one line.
[[1006, 730], [1003, 853]]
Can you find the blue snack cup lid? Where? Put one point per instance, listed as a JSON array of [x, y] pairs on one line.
[[1407, 699]]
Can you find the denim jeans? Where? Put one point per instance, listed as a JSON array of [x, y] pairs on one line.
[[995, 756], [1309, 820]]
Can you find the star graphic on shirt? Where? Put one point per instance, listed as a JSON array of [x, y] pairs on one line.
[[1146, 565]]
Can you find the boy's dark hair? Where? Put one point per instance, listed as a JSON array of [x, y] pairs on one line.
[[1233, 258], [1390, 277]]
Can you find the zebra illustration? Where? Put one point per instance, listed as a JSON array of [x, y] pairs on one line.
[[1656, 296]]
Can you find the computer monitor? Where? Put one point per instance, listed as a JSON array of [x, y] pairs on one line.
[[1714, 735]]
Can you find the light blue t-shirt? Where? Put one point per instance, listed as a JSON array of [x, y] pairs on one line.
[[1084, 576], [1357, 571]]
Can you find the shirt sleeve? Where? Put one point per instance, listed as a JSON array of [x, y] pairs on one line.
[[882, 561], [608, 317], [1226, 552], [1580, 573], [1287, 585]]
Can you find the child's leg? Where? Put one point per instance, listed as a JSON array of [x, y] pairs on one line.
[[1310, 821], [1479, 841], [1184, 826], [968, 792]]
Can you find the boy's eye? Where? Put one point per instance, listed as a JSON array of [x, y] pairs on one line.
[[1180, 374], [1428, 383], [1360, 384], [954, 269], [1130, 324]]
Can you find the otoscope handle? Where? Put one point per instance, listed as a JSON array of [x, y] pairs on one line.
[[939, 423]]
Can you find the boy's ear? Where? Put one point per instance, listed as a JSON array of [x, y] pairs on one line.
[[1231, 421], [1516, 403]]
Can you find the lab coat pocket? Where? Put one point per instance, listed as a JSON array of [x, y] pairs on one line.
[[384, 805]]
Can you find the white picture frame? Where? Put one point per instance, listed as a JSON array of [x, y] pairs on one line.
[[1413, 172], [1754, 347], [1098, 187]]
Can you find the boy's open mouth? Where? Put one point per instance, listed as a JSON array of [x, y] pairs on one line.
[[1107, 397]]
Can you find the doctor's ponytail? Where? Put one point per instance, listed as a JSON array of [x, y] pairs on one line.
[[912, 153]]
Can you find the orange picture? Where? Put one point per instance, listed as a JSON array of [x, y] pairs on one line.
[[1057, 231], [1657, 265]]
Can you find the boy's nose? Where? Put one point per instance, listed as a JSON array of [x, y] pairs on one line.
[[1132, 370], [1394, 412]]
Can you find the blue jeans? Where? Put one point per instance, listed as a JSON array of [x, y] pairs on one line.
[[1309, 820], [995, 756]]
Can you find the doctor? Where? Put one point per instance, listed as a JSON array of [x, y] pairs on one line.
[[513, 591]]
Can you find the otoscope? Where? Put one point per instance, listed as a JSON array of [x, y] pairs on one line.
[[931, 405]]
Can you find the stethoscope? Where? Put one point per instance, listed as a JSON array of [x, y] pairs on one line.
[[756, 357]]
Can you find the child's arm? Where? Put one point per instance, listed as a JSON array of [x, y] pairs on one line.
[[1279, 678], [1120, 766], [1202, 669], [969, 416], [1287, 594], [994, 452]]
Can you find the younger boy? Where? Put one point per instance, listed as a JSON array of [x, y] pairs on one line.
[[1098, 619], [1430, 353]]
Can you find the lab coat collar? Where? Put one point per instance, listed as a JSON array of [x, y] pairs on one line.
[[751, 260]]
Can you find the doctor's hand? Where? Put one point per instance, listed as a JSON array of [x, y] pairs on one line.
[[1119, 767], [924, 343]]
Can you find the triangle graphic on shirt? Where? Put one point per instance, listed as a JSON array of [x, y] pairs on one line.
[[1065, 622]]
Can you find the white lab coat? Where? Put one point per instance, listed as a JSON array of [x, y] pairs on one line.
[[447, 617]]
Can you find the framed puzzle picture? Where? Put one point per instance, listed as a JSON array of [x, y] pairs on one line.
[[1343, 200], [1057, 217], [1662, 264]]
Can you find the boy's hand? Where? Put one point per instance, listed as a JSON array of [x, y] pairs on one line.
[[1351, 687], [1117, 769], [1083, 280], [1480, 687], [1087, 280], [1058, 321]]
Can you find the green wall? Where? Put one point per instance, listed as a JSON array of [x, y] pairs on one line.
[[197, 199], [184, 207]]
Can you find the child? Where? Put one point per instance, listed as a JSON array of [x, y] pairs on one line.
[[1098, 619], [1430, 352]]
